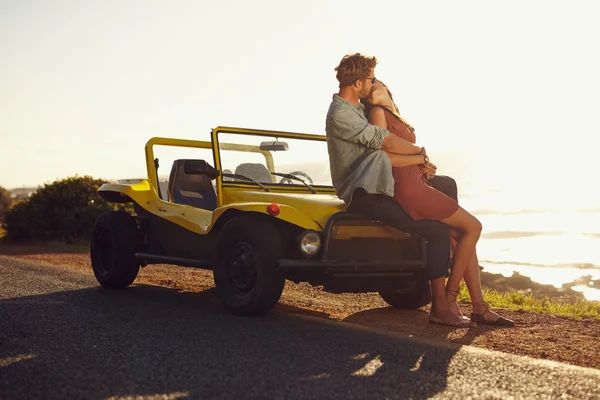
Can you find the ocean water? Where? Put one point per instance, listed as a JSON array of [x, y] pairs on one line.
[[544, 225]]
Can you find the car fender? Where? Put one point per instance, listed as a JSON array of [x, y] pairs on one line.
[[133, 190], [286, 213]]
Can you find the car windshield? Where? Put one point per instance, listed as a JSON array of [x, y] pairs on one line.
[[266, 158]]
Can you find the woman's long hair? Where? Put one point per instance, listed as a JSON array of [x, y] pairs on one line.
[[395, 110]]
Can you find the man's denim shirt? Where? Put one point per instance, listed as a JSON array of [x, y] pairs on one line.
[[355, 156]]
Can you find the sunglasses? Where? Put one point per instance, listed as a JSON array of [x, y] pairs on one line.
[[373, 80]]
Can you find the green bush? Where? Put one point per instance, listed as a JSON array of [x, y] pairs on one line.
[[64, 210], [5, 201]]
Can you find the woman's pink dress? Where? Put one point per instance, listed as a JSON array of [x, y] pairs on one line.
[[411, 189]]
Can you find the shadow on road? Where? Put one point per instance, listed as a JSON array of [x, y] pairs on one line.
[[415, 322], [147, 340]]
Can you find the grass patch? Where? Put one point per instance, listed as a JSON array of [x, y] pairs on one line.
[[567, 306]]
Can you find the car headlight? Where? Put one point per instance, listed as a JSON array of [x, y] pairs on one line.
[[309, 243]]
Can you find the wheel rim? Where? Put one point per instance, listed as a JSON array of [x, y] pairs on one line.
[[242, 268], [103, 251]]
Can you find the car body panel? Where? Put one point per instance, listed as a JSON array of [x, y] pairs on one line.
[[316, 207], [293, 208]]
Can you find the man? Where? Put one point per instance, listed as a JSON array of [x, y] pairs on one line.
[[361, 157]]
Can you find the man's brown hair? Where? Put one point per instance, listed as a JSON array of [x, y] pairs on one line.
[[354, 67]]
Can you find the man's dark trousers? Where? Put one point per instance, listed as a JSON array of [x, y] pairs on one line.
[[385, 209]]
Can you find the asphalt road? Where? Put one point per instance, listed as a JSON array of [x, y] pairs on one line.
[[62, 336]]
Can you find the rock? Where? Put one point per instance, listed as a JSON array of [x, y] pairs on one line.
[[524, 284]]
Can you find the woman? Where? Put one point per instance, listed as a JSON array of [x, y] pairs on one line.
[[421, 201]]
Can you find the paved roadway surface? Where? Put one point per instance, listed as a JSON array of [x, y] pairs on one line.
[[61, 336]]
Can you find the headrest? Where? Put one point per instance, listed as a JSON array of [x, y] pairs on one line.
[[198, 167], [256, 171]]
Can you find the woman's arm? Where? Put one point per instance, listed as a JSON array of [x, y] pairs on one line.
[[404, 160], [377, 117], [392, 143]]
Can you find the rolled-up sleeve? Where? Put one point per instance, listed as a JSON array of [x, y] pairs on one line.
[[348, 125]]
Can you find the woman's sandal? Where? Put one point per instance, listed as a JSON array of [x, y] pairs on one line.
[[457, 322], [454, 294], [480, 318]]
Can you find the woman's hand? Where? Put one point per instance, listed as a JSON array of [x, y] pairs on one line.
[[428, 170]]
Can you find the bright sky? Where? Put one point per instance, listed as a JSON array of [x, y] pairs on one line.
[[84, 84]]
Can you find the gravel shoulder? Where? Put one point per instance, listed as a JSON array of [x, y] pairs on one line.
[[541, 336]]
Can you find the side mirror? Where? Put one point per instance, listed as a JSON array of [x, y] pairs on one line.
[[274, 146]]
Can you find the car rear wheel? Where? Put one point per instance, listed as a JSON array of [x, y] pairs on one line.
[[245, 271], [416, 296], [115, 240]]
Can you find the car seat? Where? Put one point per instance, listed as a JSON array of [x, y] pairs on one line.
[[256, 171], [193, 189]]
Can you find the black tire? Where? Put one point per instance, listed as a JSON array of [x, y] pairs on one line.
[[245, 274], [417, 296], [115, 240]]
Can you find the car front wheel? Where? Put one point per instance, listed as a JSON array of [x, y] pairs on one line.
[[245, 271]]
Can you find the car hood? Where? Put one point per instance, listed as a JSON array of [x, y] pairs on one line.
[[318, 207]]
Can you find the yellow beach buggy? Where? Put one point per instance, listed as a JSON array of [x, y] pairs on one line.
[[256, 207]]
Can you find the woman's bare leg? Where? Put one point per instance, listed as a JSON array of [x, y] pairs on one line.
[[441, 311], [472, 278], [469, 229], [455, 236]]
